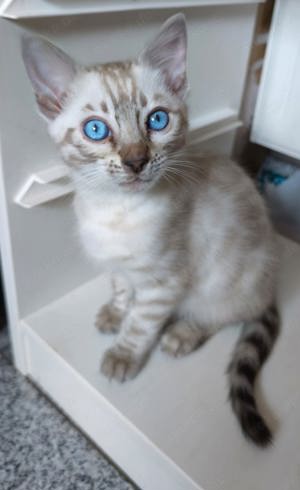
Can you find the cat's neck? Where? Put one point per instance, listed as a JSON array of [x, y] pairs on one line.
[[116, 199]]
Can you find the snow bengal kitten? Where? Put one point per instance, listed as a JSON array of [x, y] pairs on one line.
[[187, 237]]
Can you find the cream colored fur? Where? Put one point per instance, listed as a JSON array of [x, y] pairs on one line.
[[187, 239]]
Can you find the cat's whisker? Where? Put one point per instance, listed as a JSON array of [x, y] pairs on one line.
[[187, 166], [184, 175], [170, 179]]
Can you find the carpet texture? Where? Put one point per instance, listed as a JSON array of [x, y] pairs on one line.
[[40, 449]]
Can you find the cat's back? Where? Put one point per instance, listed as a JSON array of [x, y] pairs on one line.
[[227, 199], [232, 247], [230, 227]]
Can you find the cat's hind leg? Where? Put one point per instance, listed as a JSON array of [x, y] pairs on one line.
[[183, 336], [111, 315]]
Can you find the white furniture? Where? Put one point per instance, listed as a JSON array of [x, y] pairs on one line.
[[171, 428], [16, 9], [276, 121]]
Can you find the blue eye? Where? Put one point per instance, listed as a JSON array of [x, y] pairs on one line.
[[158, 120], [96, 130]]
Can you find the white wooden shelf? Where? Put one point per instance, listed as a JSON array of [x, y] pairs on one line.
[[208, 126], [179, 430], [16, 9], [44, 186]]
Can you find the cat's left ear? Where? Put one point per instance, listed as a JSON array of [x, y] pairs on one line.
[[167, 53], [50, 71]]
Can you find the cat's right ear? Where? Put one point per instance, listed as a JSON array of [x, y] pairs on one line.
[[167, 54], [50, 71]]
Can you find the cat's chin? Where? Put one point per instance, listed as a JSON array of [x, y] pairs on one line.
[[136, 185]]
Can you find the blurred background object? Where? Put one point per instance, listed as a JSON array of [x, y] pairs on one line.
[[2, 307], [251, 155], [267, 144], [279, 181]]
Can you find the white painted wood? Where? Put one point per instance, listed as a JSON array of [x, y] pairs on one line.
[[44, 186], [8, 273], [277, 114], [175, 413], [16, 9], [215, 124], [144, 462]]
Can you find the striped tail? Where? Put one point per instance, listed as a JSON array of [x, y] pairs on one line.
[[251, 351]]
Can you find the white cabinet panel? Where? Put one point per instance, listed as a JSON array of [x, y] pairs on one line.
[[277, 116], [44, 8]]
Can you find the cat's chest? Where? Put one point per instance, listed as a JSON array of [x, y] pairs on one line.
[[113, 237], [118, 232]]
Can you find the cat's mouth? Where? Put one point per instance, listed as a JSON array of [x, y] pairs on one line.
[[135, 183]]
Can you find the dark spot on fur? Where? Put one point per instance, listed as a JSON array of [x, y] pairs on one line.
[[247, 370], [143, 99], [243, 395], [255, 428], [270, 321], [103, 106], [89, 107], [257, 341]]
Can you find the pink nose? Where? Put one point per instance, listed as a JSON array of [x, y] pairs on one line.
[[135, 166]]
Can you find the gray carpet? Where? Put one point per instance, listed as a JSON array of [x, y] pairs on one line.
[[40, 449]]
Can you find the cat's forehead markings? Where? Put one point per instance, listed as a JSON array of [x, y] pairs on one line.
[[133, 88], [119, 82], [158, 97], [124, 85], [143, 99], [88, 107], [103, 106], [110, 82], [137, 116], [108, 88]]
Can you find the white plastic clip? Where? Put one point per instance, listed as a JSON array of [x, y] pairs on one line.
[[45, 186]]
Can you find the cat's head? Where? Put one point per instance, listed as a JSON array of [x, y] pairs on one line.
[[118, 125]]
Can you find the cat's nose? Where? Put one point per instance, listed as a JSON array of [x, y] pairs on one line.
[[135, 166], [134, 157]]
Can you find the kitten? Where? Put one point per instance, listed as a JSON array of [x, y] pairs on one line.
[[187, 238]]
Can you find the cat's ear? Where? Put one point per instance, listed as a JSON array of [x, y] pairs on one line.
[[50, 71], [167, 53]]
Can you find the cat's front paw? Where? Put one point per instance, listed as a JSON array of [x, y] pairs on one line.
[[181, 339], [109, 319], [176, 346], [120, 364]]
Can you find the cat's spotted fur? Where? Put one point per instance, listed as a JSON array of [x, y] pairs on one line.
[[187, 238]]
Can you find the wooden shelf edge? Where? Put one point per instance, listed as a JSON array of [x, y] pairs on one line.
[[108, 428], [15, 9]]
